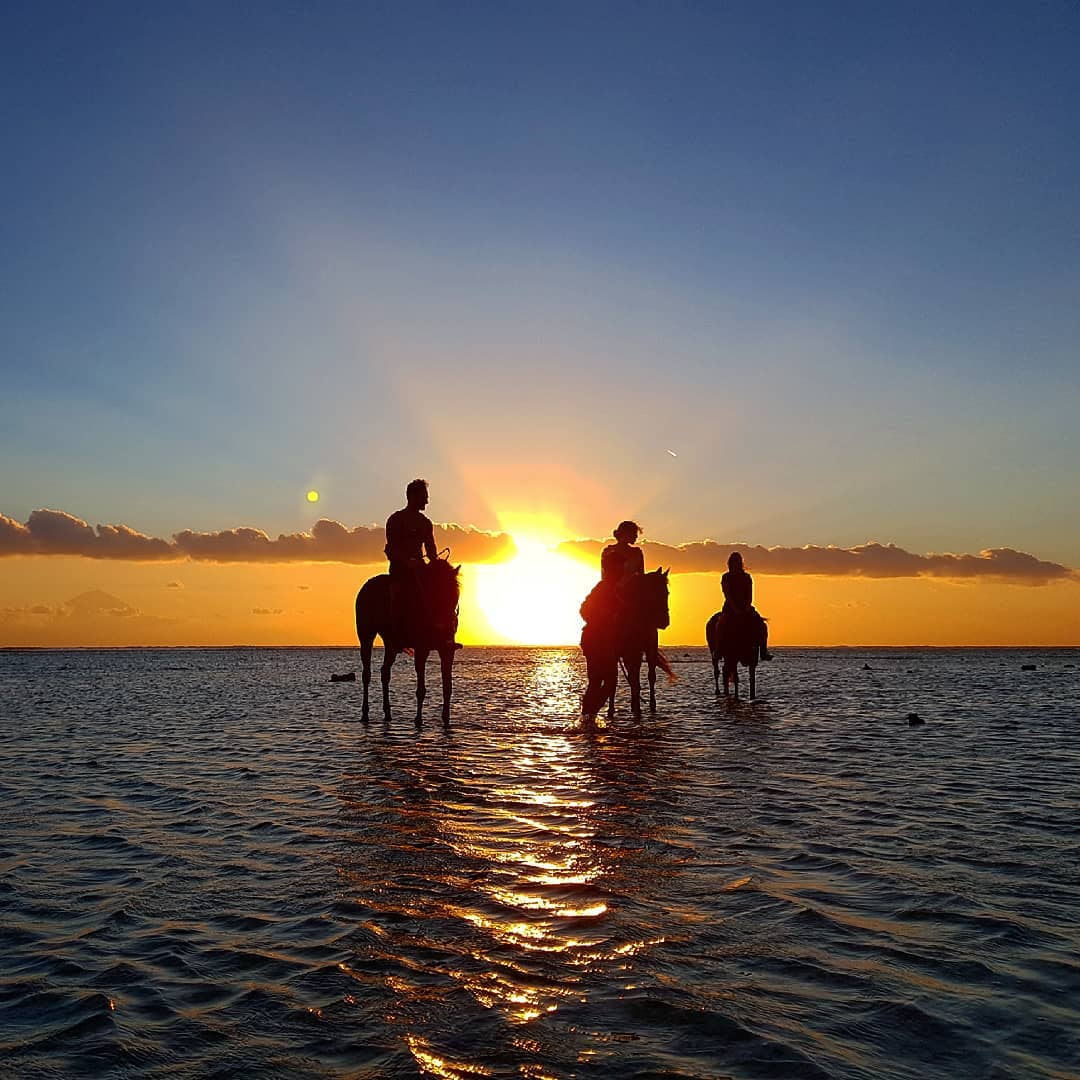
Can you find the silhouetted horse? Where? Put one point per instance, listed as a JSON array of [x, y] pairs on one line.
[[436, 624], [736, 639], [631, 637]]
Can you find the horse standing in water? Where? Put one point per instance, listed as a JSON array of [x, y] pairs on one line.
[[627, 635], [434, 629], [734, 638]]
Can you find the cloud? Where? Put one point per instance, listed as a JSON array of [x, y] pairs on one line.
[[30, 614], [267, 611], [871, 560], [175, 585], [54, 532]]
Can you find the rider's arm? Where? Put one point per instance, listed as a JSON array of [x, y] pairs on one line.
[[391, 539], [429, 543]]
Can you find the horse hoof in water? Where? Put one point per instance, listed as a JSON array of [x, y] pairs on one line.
[[349, 676]]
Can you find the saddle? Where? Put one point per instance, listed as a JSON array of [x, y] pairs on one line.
[[737, 626]]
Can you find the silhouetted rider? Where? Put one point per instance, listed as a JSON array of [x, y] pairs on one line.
[[622, 560], [738, 588], [409, 536]]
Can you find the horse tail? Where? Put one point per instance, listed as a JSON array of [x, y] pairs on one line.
[[665, 667]]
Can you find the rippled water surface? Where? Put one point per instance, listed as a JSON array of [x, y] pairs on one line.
[[210, 867]]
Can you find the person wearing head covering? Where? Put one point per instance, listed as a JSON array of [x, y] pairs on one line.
[[738, 588], [622, 559]]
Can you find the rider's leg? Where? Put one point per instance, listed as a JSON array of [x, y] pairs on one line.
[[764, 650]]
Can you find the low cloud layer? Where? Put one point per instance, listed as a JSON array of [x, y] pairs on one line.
[[54, 532], [865, 560]]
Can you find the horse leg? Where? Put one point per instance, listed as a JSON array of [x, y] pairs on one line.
[[599, 688], [652, 681], [365, 660], [446, 663], [716, 672], [633, 673], [420, 663], [753, 670], [389, 655], [734, 669], [610, 678]]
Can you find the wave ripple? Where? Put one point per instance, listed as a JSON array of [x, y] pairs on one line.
[[209, 867]]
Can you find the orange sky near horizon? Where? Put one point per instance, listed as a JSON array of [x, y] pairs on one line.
[[189, 603]]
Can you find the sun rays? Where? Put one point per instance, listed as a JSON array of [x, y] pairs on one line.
[[533, 599]]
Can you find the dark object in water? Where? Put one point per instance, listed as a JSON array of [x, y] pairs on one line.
[[349, 676], [1027, 667], [867, 667], [914, 719]]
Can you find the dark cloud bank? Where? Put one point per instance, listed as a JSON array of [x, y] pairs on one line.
[[866, 560], [54, 532]]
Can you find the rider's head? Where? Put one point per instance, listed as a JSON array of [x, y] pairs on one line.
[[628, 531], [734, 561], [417, 494]]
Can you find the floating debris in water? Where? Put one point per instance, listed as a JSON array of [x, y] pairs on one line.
[[349, 676], [914, 719], [1027, 667]]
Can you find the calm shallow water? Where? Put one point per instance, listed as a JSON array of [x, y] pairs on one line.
[[209, 867]]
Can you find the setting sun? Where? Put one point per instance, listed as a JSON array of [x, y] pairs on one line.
[[534, 598]]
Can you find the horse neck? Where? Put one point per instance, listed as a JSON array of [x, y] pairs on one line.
[[446, 592], [644, 611]]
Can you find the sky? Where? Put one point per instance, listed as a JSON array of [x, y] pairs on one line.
[[777, 274]]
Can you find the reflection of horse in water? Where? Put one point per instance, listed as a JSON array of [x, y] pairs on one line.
[[429, 628], [623, 629], [736, 638]]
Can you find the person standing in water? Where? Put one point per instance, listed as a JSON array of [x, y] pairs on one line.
[[738, 588]]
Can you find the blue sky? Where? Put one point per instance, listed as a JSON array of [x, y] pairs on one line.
[[828, 253]]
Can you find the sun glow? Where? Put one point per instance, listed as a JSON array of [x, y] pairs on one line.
[[534, 598]]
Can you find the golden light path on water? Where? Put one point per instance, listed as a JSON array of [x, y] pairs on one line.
[[515, 883]]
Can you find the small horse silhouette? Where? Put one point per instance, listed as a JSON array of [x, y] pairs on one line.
[[436, 625], [630, 637], [735, 638]]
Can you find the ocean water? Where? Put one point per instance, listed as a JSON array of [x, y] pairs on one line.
[[210, 868]]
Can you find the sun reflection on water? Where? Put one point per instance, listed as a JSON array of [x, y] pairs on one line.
[[501, 869]]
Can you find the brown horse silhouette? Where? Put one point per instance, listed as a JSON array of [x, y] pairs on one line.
[[735, 638], [633, 638], [433, 631]]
